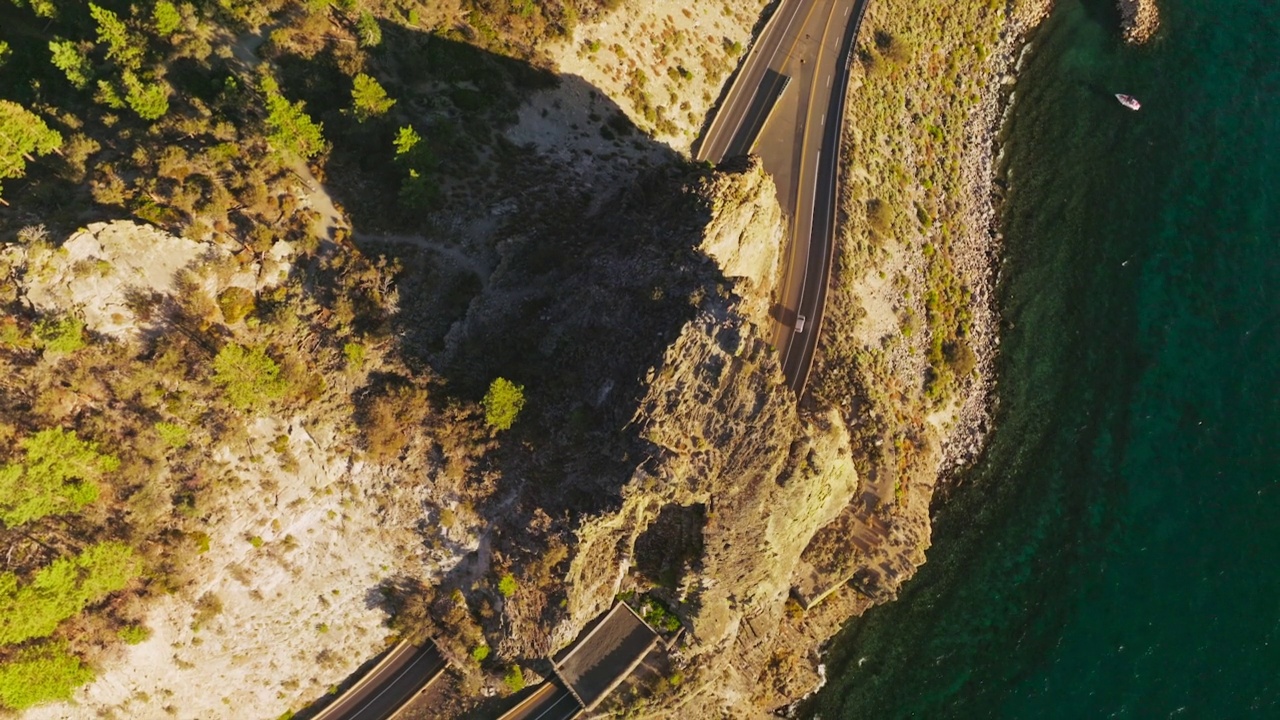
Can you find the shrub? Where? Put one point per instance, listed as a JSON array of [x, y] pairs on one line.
[[149, 100], [70, 59], [235, 303], [387, 418], [292, 131], [479, 653], [134, 634], [173, 434], [165, 18], [503, 403], [248, 375], [25, 134], [507, 585], [64, 335], [355, 354], [514, 679]]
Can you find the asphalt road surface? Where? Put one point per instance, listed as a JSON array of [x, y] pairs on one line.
[[552, 701], [810, 42], [391, 684]]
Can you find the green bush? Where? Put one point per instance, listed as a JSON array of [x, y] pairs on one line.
[[236, 303], [248, 375], [514, 679], [165, 18], [507, 585], [173, 434], [368, 31], [134, 634], [503, 403], [355, 355], [63, 335], [479, 653]]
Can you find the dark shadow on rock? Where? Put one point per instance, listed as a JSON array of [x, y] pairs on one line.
[[589, 286]]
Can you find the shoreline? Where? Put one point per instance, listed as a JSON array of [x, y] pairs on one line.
[[979, 253]]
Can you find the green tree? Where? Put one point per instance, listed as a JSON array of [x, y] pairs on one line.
[[248, 375], [60, 335], [291, 130], [368, 98], [5, 52], [368, 31], [58, 475], [71, 60], [165, 18], [41, 674], [62, 589], [407, 140], [22, 133], [503, 403], [416, 190], [122, 46], [42, 8], [149, 100]]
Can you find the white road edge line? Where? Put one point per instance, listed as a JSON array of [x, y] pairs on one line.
[[553, 705], [390, 684], [767, 63]]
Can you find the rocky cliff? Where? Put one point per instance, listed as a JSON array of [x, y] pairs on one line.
[[731, 482]]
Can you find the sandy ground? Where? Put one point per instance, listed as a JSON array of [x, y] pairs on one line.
[[300, 539], [295, 560], [604, 58]]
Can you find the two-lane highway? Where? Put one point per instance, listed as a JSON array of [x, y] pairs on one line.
[[392, 683], [551, 701], [810, 43]]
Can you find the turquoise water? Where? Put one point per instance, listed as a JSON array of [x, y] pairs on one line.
[[1116, 553]]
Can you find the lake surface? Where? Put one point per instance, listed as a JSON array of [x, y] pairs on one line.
[[1116, 553]]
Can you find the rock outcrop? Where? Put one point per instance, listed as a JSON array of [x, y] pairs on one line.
[[728, 452], [1139, 20]]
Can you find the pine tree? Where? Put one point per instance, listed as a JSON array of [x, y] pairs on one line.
[[166, 18], [62, 589], [58, 475], [122, 46], [503, 403], [41, 674], [68, 58], [291, 129], [149, 100], [249, 375], [368, 31], [22, 133], [368, 98]]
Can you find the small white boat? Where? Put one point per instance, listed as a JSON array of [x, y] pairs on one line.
[[1129, 101]]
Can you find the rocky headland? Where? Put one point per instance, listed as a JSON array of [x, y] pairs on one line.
[[1139, 20]]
